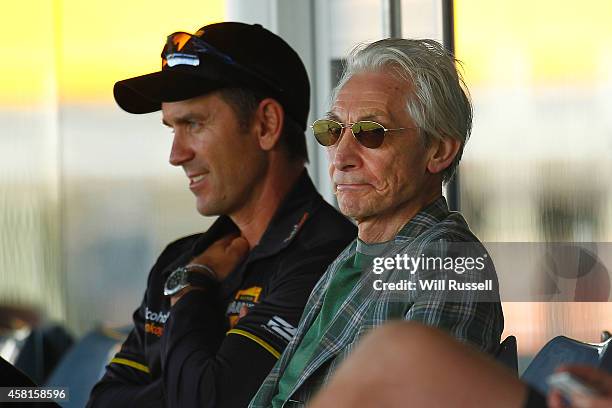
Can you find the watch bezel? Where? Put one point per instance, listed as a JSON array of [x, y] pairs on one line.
[[184, 276], [181, 284]]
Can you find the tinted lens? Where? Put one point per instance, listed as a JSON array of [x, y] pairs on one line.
[[369, 134], [174, 44], [327, 132], [177, 41]]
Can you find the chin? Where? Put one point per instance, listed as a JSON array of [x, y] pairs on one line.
[[217, 205], [352, 210], [207, 208], [360, 209], [204, 211]]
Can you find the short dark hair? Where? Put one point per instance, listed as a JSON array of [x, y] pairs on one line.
[[245, 101]]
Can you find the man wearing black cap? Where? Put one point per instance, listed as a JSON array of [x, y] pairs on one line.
[[221, 306]]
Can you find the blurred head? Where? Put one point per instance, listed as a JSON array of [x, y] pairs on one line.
[[411, 88], [233, 94]]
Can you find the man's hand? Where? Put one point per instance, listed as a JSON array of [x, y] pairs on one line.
[[593, 377], [223, 257]]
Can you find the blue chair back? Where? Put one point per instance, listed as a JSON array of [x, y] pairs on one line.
[[507, 354], [562, 350], [84, 364]]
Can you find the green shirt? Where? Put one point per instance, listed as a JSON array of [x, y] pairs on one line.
[[338, 289], [464, 317]]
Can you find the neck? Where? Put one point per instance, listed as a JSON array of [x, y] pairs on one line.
[[384, 227], [253, 219]]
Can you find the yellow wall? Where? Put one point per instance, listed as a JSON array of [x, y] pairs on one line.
[[552, 41], [75, 50]]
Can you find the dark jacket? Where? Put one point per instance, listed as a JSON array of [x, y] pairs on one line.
[[198, 353]]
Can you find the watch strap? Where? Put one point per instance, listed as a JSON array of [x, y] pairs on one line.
[[200, 277], [203, 269]]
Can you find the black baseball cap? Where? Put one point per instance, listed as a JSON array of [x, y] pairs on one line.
[[217, 56]]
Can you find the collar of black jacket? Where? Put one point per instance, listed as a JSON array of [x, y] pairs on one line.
[[288, 220]]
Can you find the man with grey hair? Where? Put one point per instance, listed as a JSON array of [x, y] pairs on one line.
[[395, 133]]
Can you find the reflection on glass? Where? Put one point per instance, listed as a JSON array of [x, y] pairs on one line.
[[87, 197], [537, 166]]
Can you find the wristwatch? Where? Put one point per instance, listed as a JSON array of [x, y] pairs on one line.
[[197, 275]]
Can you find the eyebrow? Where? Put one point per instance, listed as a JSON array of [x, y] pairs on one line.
[[368, 116], [332, 115], [189, 117]]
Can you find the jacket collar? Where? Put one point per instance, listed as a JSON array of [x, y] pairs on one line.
[[297, 206], [295, 209], [432, 214]]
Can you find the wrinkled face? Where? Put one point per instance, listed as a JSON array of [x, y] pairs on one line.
[[223, 164], [377, 182]]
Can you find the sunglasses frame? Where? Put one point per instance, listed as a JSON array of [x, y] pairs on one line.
[[200, 46], [344, 126]]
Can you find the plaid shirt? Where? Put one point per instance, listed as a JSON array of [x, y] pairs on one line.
[[468, 320]]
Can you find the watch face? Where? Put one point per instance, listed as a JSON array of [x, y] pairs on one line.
[[175, 282]]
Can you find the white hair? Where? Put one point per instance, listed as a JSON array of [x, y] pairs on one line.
[[438, 100]]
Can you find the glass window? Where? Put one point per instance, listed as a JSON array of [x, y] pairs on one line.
[[537, 166], [87, 197]]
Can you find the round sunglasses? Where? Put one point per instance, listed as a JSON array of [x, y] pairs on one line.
[[367, 132]]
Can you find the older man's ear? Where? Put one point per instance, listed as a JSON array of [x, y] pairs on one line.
[[442, 153]]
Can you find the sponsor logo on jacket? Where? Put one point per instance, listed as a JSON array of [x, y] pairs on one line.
[[281, 327], [245, 298], [157, 317], [154, 321]]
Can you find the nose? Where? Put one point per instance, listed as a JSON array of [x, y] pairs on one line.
[[180, 152], [345, 154]]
